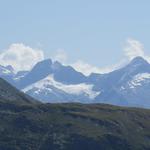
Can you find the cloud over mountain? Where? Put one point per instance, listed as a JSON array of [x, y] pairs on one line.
[[60, 55], [133, 48], [21, 57]]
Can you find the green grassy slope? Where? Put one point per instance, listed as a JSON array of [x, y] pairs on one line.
[[73, 127]]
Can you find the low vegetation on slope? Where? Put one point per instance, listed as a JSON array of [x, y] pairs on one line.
[[73, 127], [10, 94]]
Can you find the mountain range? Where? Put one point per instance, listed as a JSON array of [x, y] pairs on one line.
[[56, 83]]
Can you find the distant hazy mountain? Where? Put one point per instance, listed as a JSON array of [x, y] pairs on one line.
[[41, 70], [128, 86], [67, 74], [53, 82]]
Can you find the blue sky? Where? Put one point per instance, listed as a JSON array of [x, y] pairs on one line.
[[94, 31]]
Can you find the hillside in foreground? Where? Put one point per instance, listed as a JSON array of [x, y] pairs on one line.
[[73, 127]]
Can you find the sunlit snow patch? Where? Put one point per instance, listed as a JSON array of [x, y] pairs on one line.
[[138, 79], [76, 89]]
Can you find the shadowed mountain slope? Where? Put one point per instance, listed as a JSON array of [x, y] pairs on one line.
[[8, 93]]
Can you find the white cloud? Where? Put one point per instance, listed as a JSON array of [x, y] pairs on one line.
[[21, 57], [87, 69], [60, 55], [133, 48]]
